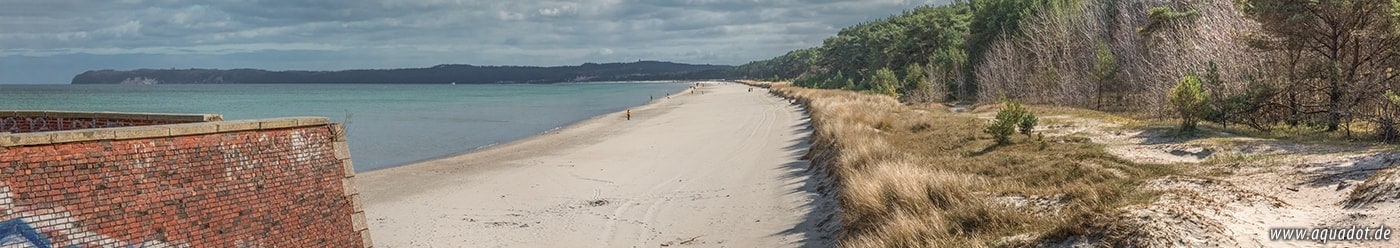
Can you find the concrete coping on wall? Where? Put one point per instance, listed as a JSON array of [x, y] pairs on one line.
[[152, 131], [114, 115]]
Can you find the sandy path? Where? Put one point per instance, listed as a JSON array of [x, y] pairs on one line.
[[718, 169]]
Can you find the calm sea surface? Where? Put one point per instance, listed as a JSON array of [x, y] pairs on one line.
[[387, 125]]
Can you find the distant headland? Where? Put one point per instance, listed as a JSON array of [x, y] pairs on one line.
[[463, 74]]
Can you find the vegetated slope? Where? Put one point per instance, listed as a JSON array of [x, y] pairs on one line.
[[466, 74], [1083, 53], [1279, 67], [1264, 63], [1120, 55], [921, 176]]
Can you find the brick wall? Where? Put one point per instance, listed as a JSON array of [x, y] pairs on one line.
[[260, 183], [41, 121]]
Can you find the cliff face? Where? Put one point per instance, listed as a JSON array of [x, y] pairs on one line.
[[466, 74]]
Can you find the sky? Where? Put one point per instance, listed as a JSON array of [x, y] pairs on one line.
[[50, 41]]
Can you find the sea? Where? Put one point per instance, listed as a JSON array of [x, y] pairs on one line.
[[387, 124]]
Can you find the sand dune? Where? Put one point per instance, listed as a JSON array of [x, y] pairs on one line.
[[717, 168]]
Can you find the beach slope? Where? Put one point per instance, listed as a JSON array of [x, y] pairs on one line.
[[720, 166]]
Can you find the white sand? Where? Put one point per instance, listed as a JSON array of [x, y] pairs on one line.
[[718, 169]]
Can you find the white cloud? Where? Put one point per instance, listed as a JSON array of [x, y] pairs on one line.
[[565, 10], [510, 16], [129, 28]]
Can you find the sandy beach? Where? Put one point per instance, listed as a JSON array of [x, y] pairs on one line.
[[720, 167]]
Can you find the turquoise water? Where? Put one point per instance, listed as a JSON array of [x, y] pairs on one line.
[[387, 125]]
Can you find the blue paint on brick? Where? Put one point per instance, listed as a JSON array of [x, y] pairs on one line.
[[17, 231]]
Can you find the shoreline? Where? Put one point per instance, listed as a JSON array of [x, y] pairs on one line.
[[499, 151], [723, 167], [487, 147]]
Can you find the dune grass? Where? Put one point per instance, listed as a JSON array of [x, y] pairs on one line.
[[921, 176]]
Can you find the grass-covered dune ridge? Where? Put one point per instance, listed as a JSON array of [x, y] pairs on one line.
[[919, 175], [929, 175]]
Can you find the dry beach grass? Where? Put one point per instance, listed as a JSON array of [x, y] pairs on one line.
[[922, 176], [914, 176]]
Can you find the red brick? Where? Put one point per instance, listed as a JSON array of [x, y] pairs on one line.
[[189, 171]]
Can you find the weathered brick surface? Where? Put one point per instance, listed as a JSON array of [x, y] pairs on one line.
[[22, 124], [250, 188]]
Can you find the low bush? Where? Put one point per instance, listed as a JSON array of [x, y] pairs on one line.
[[1160, 16], [1189, 100], [884, 82], [1008, 119], [1027, 124]]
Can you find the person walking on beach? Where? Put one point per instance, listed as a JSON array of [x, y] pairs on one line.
[[629, 114]]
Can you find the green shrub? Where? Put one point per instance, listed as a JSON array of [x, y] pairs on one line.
[[1190, 101], [917, 87], [1007, 120], [1160, 16], [1387, 128], [1027, 124], [884, 82], [1105, 73], [1220, 105]]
